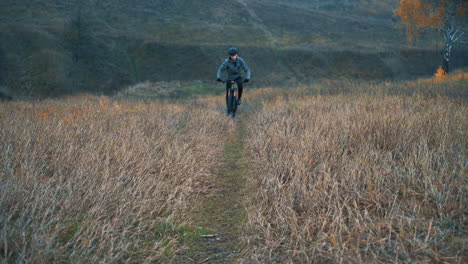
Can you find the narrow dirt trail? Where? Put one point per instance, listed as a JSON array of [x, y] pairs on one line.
[[218, 218]]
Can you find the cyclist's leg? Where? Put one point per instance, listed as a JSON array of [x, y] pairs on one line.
[[240, 86], [228, 86]]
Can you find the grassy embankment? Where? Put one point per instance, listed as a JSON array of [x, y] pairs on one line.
[[89, 180], [348, 177], [360, 179]]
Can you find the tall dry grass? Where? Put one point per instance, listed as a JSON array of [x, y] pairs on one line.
[[451, 86], [91, 180], [358, 179]]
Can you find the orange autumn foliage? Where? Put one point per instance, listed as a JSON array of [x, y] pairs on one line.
[[415, 14], [68, 120], [419, 14], [440, 73], [45, 114], [42, 115]]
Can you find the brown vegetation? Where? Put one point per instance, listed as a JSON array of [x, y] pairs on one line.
[[358, 179], [88, 180], [338, 171]]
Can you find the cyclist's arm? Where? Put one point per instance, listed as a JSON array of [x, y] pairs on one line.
[[246, 69], [221, 69]]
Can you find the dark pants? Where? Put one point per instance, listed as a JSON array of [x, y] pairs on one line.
[[240, 86]]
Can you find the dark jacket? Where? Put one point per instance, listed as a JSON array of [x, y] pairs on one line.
[[233, 69]]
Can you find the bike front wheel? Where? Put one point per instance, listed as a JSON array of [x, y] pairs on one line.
[[232, 104]]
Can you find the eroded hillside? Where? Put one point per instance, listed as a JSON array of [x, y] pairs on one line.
[[54, 47]]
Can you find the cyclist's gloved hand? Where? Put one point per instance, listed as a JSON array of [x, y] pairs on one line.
[[246, 80], [219, 80]]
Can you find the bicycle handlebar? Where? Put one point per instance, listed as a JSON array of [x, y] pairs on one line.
[[225, 81]]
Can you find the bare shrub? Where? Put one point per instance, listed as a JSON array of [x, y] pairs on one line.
[[358, 179], [86, 179]]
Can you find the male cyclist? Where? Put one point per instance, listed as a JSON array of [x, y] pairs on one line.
[[233, 65]]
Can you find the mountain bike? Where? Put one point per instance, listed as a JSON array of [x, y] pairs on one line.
[[232, 99]]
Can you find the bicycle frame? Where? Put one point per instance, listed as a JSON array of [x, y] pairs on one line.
[[232, 99], [233, 90]]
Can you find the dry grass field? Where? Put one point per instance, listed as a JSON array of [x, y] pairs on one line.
[[337, 172], [90, 180], [358, 179]]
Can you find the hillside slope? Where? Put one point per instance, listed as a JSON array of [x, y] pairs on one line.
[[51, 47]]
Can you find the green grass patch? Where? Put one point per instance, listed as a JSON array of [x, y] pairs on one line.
[[190, 90], [71, 228]]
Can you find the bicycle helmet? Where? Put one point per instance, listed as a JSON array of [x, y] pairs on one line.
[[232, 51]]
